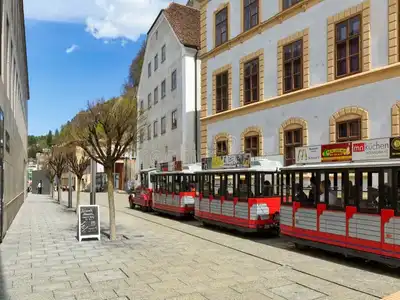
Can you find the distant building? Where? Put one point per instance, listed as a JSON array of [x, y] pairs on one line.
[[169, 89], [14, 93]]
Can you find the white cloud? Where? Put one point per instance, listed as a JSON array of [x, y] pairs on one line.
[[104, 19], [72, 49]]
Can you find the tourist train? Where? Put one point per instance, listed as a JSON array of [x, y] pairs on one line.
[[342, 197]]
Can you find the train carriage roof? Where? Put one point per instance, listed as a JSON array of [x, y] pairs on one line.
[[343, 165], [260, 165]]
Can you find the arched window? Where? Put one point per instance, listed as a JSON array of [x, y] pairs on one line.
[[348, 124], [252, 141], [222, 144], [293, 133]]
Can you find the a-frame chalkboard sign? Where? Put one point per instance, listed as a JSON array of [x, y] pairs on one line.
[[88, 222]]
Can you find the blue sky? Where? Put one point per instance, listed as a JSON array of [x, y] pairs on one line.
[[78, 51]]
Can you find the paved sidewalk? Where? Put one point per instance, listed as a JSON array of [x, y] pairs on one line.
[[41, 259]]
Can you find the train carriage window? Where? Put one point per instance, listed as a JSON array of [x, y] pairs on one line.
[[334, 183], [217, 184], [230, 186], [244, 187], [207, 190], [386, 193], [177, 183], [368, 200]]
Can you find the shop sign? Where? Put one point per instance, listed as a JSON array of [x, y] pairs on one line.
[[308, 155], [395, 147], [226, 162], [371, 150], [336, 152], [170, 167]]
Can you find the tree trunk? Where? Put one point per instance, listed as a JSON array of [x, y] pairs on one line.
[[59, 193], [52, 189], [111, 204], [78, 194]]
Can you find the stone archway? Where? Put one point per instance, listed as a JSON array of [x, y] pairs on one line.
[[253, 131]]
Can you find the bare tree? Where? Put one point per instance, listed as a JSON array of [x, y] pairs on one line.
[[58, 163], [105, 131], [51, 176], [77, 166]]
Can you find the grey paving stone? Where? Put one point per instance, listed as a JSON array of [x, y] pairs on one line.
[[99, 295], [194, 296], [296, 292], [105, 275]]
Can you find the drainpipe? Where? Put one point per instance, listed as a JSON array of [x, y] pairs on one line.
[[195, 108]]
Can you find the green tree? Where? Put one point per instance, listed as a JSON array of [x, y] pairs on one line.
[[105, 131], [49, 139], [78, 166], [56, 136]]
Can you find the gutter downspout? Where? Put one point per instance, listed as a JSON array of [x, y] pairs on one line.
[[195, 108]]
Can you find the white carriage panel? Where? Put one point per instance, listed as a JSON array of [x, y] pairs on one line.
[[242, 210], [187, 200], [259, 210], [227, 208], [367, 227], [205, 205], [286, 215], [176, 200], [197, 204], [333, 222], [389, 231], [396, 222], [215, 206], [169, 200], [306, 219]]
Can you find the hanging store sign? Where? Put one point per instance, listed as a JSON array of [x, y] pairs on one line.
[[395, 147], [308, 155], [336, 152], [226, 162], [371, 150]]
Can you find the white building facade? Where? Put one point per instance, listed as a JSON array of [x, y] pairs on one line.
[[169, 90], [14, 93], [297, 72]]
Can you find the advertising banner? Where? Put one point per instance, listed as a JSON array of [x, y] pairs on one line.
[[395, 147], [308, 155], [371, 150], [336, 152], [226, 162], [170, 166]]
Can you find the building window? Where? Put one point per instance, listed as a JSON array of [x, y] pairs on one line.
[[250, 11], [222, 92], [156, 62], [163, 53], [348, 130], [7, 142], [149, 69], [173, 80], [293, 139], [149, 132], [290, 3], [141, 136], [155, 95], [163, 125], [174, 119], [222, 148], [251, 145], [163, 89], [149, 101], [251, 81], [293, 66], [155, 128], [348, 46], [141, 107], [221, 27]]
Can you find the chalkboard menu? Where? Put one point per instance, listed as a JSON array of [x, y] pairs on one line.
[[88, 222]]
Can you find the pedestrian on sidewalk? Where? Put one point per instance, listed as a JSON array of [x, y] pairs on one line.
[[39, 187]]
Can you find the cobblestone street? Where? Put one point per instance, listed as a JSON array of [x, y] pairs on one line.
[[162, 258]]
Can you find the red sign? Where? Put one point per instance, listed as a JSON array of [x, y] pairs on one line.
[[336, 152], [359, 147]]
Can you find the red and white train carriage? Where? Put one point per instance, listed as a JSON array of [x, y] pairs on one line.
[[143, 195], [175, 189], [240, 193], [345, 198]]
